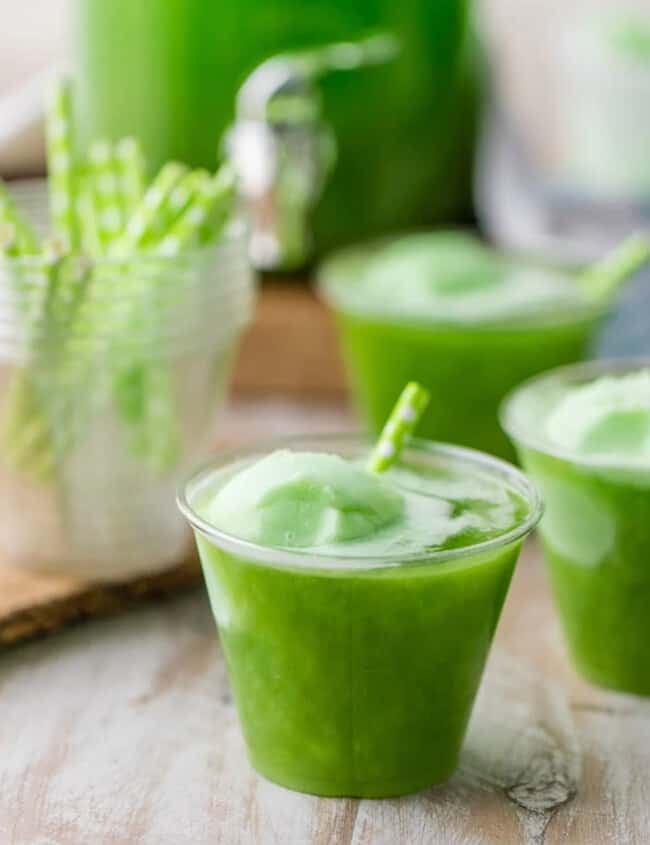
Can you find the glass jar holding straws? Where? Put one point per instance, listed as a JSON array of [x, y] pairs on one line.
[[117, 333]]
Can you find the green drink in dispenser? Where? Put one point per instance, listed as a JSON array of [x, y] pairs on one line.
[[168, 71]]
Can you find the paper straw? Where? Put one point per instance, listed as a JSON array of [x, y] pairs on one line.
[[23, 240], [144, 389], [175, 205], [26, 436], [605, 277], [141, 390], [103, 184], [153, 417], [142, 396], [131, 174], [74, 273], [400, 425], [209, 193], [29, 279], [47, 405], [60, 164], [91, 242], [26, 430], [159, 440], [211, 229], [143, 223], [8, 239], [182, 214]]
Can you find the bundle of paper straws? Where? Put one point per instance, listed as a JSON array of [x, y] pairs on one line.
[[78, 286]]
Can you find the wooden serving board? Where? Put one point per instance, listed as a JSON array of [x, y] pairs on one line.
[[32, 605]]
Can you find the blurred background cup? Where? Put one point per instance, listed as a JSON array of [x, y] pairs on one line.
[[104, 405], [467, 360]]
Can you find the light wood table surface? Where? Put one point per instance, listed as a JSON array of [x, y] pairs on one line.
[[123, 731]]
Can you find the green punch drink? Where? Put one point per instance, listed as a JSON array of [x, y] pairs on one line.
[[168, 72], [465, 321], [583, 434], [356, 609]]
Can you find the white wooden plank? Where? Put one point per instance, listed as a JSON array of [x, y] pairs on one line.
[[123, 731]]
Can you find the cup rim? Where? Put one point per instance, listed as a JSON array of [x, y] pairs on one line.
[[307, 560], [328, 279], [563, 375]]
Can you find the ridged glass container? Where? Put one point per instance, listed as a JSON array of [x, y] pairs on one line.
[[111, 376]]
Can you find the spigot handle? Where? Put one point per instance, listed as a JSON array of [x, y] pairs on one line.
[[282, 149]]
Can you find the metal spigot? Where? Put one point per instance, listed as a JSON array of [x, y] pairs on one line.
[[282, 149]]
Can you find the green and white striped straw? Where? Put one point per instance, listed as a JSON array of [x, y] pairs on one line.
[[400, 426], [161, 441], [22, 240], [72, 276], [605, 277], [131, 174], [152, 418], [8, 240], [143, 224], [103, 184], [91, 242], [225, 185], [60, 164], [27, 440], [174, 206], [209, 192], [188, 207]]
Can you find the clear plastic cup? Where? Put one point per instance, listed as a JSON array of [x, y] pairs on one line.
[[467, 364], [107, 400], [595, 533], [356, 676]]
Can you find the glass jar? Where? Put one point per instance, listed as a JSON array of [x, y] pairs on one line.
[[111, 373]]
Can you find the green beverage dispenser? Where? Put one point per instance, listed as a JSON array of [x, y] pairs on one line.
[[168, 71]]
